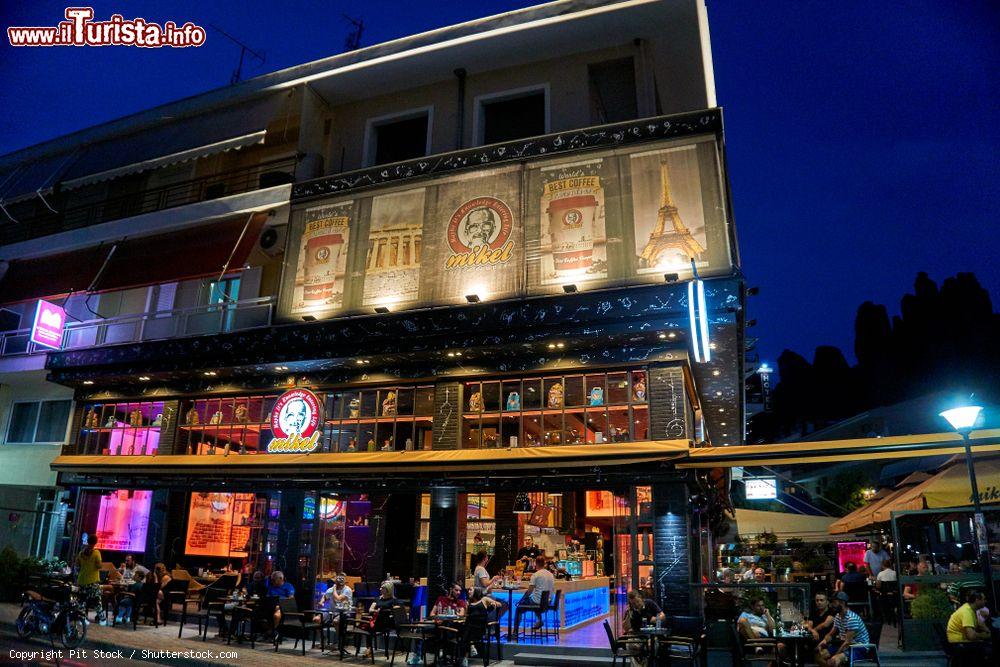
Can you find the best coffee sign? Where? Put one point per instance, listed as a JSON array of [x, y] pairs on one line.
[[47, 329], [295, 422]]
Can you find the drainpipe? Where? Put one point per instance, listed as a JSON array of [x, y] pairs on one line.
[[460, 116]]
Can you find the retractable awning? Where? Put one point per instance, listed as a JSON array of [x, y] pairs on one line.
[[948, 488], [25, 180], [188, 253], [865, 517], [175, 141]]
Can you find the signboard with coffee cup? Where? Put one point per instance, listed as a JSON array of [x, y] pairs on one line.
[[572, 223], [322, 258]]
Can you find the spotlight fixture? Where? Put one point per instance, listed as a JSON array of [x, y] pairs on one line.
[[472, 298], [555, 494], [551, 346], [672, 335], [753, 291], [716, 372], [662, 336], [711, 346], [670, 277], [279, 369], [361, 362], [144, 378], [522, 503], [88, 382], [560, 345], [451, 354], [211, 373], [381, 310], [308, 318], [569, 289]]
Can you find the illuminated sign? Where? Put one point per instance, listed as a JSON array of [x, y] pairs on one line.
[[122, 520], [295, 422], [698, 315], [218, 524], [47, 329], [761, 488], [478, 233]]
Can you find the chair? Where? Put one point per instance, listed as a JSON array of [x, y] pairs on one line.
[[870, 649], [175, 592], [360, 630], [688, 640], [949, 649], [413, 636], [624, 647], [247, 621], [889, 601], [211, 602], [525, 606], [145, 604], [556, 623], [859, 598], [295, 625], [748, 652]]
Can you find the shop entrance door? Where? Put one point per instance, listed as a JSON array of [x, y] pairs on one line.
[[632, 530]]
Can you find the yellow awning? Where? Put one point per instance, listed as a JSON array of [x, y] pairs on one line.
[[863, 517], [949, 488]]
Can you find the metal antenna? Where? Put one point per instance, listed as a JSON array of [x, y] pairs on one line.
[[353, 40], [244, 50]]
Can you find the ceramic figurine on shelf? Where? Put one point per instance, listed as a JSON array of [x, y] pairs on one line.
[[389, 405], [371, 445], [476, 402], [574, 437], [211, 449], [110, 423], [556, 395], [158, 421], [88, 419], [241, 414], [639, 390], [216, 418], [225, 450], [243, 450], [191, 417], [597, 396], [135, 418], [354, 407], [513, 401], [409, 444], [386, 446], [131, 449], [352, 445]]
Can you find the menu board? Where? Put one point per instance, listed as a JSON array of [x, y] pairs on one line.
[[122, 520], [322, 258], [218, 524]]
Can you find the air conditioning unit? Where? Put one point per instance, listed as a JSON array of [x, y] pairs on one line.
[[272, 238]]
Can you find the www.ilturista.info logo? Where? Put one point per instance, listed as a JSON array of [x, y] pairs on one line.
[[80, 29]]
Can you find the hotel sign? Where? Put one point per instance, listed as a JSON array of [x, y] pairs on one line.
[[761, 488], [295, 423], [47, 329]]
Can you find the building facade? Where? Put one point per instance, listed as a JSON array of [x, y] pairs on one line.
[[471, 286]]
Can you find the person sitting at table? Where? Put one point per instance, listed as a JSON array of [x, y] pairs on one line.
[[756, 622], [451, 603], [480, 575], [850, 577], [279, 588], [541, 581], [965, 631], [821, 618], [887, 574], [381, 610], [255, 585], [911, 591], [130, 567], [847, 629], [641, 611], [127, 596]]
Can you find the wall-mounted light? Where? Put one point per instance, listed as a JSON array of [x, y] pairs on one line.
[[698, 316], [381, 310], [88, 382], [472, 298], [144, 378], [670, 277], [361, 362], [211, 373], [308, 318], [569, 289]]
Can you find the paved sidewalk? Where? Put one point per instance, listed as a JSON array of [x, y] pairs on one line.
[[146, 641]]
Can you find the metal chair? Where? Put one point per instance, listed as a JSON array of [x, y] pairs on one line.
[[526, 606], [554, 609], [625, 647], [413, 636], [870, 649], [297, 625], [749, 652], [859, 598], [688, 640]]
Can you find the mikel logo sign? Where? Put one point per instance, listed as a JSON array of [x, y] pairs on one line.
[[479, 233], [295, 422]]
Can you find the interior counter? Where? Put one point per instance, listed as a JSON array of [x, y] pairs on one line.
[[582, 601]]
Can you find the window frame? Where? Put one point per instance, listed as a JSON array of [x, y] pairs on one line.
[[479, 103], [370, 147], [38, 416]]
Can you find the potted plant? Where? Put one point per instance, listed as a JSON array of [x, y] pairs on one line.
[[931, 607]]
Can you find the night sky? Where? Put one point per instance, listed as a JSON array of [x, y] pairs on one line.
[[862, 137]]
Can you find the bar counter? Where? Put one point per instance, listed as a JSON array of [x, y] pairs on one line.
[[583, 600]]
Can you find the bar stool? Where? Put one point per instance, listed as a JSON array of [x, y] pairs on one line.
[[556, 622]]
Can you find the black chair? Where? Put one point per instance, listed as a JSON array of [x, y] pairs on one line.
[[867, 653], [360, 630], [297, 625], [413, 636], [249, 623], [859, 598], [946, 646], [554, 609], [688, 640], [888, 599], [145, 604], [209, 604], [175, 592], [526, 606], [749, 652], [625, 647]]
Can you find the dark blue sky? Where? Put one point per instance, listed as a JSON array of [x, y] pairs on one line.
[[862, 137]]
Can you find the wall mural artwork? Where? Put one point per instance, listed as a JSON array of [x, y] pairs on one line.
[[395, 246], [322, 258]]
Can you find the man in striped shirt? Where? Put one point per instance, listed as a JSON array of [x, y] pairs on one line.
[[848, 628]]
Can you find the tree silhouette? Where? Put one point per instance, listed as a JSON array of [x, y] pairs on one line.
[[945, 339]]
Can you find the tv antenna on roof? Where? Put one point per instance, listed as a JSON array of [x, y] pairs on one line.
[[353, 40], [244, 50]]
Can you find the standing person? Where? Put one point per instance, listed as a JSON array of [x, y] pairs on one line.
[[965, 631], [875, 556], [541, 581], [528, 553], [88, 575], [848, 628]]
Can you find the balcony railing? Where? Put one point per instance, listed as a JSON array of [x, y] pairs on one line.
[[200, 320], [67, 217]]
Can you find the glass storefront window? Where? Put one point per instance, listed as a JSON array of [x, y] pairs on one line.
[[121, 429]]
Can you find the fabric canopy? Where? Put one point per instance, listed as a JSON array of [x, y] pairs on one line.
[[174, 141], [864, 517], [949, 488], [187, 253], [782, 524], [25, 180]]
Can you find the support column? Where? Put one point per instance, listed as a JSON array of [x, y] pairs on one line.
[[671, 553], [289, 539], [443, 561]]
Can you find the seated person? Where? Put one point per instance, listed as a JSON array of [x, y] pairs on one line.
[[910, 591], [256, 585], [126, 601], [851, 577], [130, 567], [641, 611], [451, 602], [541, 581], [965, 629], [279, 588], [382, 610], [757, 621], [887, 574], [338, 596], [848, 628], [821, 618]]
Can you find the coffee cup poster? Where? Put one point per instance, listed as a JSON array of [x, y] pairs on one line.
[[573, 241], [322, 259], [669, 215]]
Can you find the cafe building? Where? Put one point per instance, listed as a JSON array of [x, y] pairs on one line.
[[505, 332]]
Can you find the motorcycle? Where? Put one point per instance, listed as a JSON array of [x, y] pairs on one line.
[[53, 608]]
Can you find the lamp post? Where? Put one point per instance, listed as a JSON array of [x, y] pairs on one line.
[[963, 419]]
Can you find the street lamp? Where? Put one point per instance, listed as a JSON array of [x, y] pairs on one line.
[[963, 419]]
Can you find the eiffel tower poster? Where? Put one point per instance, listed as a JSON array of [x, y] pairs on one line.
[[669, 218]]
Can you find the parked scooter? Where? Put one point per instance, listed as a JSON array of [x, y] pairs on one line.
[[53, 608]]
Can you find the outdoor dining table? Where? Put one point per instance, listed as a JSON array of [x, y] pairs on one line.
[[510, 607], [797, 639]]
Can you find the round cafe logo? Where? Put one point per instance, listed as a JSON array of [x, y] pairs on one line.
[[295, 422], [572, 219], [323, 254], [479, 233]]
